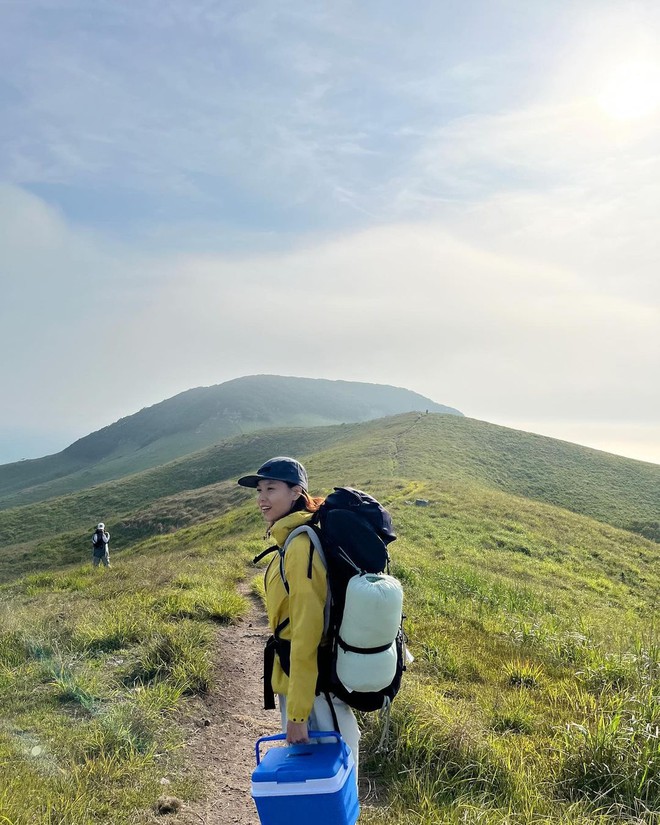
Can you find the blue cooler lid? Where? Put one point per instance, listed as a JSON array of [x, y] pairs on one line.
[[299, 763]]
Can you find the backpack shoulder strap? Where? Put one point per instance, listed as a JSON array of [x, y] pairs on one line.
[[315, 545], [265, 553], [313, 537]]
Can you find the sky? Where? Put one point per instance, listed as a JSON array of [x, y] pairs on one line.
[[459, 197]]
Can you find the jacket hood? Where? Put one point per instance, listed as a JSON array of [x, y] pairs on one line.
[[281, 529]]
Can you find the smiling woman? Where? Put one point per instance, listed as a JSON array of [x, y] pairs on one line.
[[632, 90], [296, 590]]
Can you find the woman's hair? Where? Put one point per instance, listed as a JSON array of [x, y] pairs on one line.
[[306, 502]]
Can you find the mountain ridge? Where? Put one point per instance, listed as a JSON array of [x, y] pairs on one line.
[[434, 450], [532, 627], [198, 418]]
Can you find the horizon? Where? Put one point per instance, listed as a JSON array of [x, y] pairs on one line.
[[459, 201], [499, 424]]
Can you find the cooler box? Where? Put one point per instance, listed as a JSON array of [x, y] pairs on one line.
[[312, 783]]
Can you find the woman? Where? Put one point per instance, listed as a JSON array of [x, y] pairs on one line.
[[285, 504]]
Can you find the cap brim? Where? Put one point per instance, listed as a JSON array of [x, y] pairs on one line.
[[249, 481]]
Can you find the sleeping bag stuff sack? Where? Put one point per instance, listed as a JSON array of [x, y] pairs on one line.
[[367, 641]]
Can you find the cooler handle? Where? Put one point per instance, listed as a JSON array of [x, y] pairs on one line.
[[313, 734]]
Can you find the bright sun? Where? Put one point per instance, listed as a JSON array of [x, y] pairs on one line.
[[631, 91]]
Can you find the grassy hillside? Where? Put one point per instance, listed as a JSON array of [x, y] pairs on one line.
[[533, 697], [59, 530], [434, 448], [616, 490], [196, 419]]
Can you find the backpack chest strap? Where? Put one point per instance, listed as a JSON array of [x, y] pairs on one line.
[[265, 553]]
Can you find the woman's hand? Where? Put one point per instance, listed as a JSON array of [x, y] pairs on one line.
[[296, 732]]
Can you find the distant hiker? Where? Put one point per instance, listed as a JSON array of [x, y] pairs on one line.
[[295, 604], [100, 540]]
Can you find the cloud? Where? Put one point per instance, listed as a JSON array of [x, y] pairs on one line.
[[66, 291], [258, 114], [494, 334], [559, 184], [411, 306], [200, 191]]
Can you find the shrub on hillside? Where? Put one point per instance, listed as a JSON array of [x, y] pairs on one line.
[[648, 529]]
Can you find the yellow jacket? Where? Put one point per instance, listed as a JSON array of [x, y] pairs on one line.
[[304, 606]]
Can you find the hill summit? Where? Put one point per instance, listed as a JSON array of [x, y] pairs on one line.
[[198, 418]]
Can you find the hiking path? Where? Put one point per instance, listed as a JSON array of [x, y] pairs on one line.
[[225, 724]]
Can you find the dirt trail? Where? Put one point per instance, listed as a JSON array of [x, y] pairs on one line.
[[225, 725], [227, 722]]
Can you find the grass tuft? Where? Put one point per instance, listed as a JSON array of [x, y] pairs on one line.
[[521, 674], [176, 651], [513, 716], [196, 602], [615, 756], [440, 752]]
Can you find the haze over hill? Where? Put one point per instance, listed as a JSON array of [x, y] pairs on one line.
[[198, 418], [435, 451]]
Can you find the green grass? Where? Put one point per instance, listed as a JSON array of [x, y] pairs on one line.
[[94, 668], [154, 502], [533, 697], [444, 450], [517, 655]]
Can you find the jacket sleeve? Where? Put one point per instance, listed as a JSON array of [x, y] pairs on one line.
[[306, 615]]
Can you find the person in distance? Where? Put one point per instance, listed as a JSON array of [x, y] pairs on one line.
[[100, 541]]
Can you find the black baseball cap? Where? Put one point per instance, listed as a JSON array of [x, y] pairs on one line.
[[280, 468]]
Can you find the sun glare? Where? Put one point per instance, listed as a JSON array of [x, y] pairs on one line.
[[631, 91]]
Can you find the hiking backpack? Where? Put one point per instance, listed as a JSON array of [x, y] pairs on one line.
[[364, 658]]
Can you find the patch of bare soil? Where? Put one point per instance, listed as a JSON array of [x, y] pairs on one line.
[[228, 722]]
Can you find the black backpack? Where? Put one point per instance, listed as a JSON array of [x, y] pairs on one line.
[[350, 531]]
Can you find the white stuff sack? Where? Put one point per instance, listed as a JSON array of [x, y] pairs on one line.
[[371, 618]]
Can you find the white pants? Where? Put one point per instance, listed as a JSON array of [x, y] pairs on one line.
[[321, 719]]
